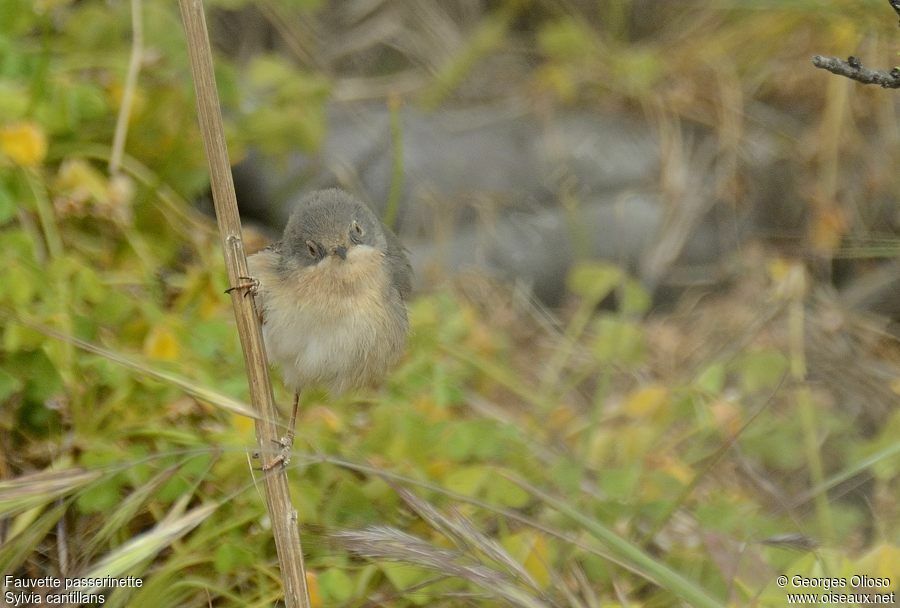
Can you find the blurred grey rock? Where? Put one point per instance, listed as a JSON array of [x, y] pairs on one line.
[[482, 189], [456, 158], [538, 248]]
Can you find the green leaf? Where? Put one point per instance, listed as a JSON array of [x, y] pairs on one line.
[[467, 480], [7, 204], [16, 16], [42, 381], [403, 576], [481, 439], [9, 384], [288, 106], [349, 505], [635, 299], [232, 556], [618, 341], [761, 370], [567, 39], [505, 493], [20, 285], [102, 496], [335, 585], [447, 388], [638, 69], [619, 483], [567, 475], [207, 338], [777, 443], [711, 379], [594, 280], [89, 284]]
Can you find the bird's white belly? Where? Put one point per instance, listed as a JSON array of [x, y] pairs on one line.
[[334, 326], [336, 351], [312, 352]]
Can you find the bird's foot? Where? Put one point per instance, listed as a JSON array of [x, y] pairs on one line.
[[284, 455], [248, 285]]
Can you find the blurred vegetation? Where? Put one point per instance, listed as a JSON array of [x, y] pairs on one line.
[[616, 458]]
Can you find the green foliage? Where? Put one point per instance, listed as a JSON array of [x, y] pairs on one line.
[[287, 107], [761, 370]]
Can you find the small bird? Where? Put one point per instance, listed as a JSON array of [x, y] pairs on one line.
[[332, 296]]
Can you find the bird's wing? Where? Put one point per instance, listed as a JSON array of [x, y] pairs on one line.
[[401, 270]]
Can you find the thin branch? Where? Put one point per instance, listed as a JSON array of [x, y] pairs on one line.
[[853, 69], [278, 498], [134, 67]]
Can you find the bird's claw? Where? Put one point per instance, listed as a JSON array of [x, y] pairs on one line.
[[284, 456], [248, 285]]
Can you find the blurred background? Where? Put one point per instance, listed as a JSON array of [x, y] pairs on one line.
[[654, 357]]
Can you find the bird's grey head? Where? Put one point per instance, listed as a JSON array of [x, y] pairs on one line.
[[329, 223]]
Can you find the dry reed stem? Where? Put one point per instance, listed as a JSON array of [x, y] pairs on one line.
[[284, 517]]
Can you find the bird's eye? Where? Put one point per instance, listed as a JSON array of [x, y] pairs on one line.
[[312, 249], [356, 232]]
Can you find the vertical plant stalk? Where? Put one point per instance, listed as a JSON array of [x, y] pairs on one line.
[[796, 331], [396, 190], [278, 499], [134, 67], [55, 250]]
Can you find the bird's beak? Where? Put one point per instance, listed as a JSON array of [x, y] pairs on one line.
[[340, 251]]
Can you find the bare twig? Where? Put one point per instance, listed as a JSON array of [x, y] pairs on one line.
[[853, 69], [284, 517]]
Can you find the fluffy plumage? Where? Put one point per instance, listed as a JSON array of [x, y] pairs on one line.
[[332, 295]]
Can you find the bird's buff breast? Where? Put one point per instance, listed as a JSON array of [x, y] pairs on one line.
[[338, 324]]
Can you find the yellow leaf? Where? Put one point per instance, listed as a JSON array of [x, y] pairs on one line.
[[600, 447], [559, 80], [161, 344], [467, 480], [210, 303], [327, 416], [426, 405], [438, 468], [312, 585], [531, 550], [243, 424], [677, 469], [779, 268], [116, 93], [789, 279], [24, 142], [80, 180], [647, 402], [882, 562], [537, 560]]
